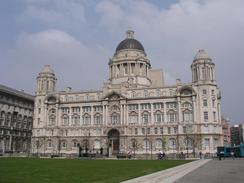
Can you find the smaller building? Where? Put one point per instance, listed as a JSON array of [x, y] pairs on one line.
[[235, 135], [241, 131], [16, 120], [226, 131]]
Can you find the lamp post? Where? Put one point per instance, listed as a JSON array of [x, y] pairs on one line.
[[187, 145], [146, 135]]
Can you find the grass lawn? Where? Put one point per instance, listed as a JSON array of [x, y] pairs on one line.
[[35, 170]]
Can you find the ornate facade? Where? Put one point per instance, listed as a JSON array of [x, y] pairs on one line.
[[134, 111], [16, 120]]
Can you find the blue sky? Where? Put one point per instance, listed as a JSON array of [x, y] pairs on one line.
[[77, 38]]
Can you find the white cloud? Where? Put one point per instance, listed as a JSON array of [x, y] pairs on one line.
[[65, 14], [71, 59]]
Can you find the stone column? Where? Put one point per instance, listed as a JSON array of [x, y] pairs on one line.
[[139, 114], [165, 113], [106, 114], [179, 110], [92, 115], [152, 117], [121, 114], [3, 145], [194, 112]]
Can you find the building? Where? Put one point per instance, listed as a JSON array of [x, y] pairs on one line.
[[16, 120], [135, 111], [241, 128], [237, 134], [226, 131]]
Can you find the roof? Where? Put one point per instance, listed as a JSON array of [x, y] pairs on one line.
[[130, 44], [202, 54], [16, 93]]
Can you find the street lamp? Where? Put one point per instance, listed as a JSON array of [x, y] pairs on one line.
[[146, 134]]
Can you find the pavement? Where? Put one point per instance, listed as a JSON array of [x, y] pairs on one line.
[[224, 171], [169, 175]]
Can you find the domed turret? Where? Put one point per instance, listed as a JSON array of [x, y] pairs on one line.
[[202, 55], [202, 68], [46, 81]]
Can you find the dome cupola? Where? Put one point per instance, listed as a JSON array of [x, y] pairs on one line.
[[130, 43]]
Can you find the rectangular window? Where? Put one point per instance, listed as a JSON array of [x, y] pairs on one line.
[[136, 131], [206, 142], [175, 130], [214, 116], [158, 105], [205, 102], [205, 114], [184, 129], [155, 130], [213, 102], [204, 92], [161, 130], [169, 130], [148, 131], [143, 131], [39, 110]]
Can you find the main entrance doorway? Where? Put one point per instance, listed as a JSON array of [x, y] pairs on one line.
[[113, 139]]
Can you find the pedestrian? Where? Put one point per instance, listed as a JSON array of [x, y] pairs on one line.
[[200, 155], [232, 154]]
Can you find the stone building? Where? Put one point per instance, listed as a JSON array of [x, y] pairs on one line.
[[16, 120], [135, 111], [226, 131]]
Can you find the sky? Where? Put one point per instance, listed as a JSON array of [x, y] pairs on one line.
[[77, 38]]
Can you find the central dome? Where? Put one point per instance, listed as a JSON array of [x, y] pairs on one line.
[[130, 43]]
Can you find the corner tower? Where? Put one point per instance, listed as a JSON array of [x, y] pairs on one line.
[[46, 81], [203, 69], [129, 63]]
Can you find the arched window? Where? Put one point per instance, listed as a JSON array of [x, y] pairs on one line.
[[145, 117], [133, 118], [98, 119], [158, 117], [2, 118], [172, 143], [64, 144], [65, 120], [171, 116], [86, 119], [134, 144], [52, 119], [97, 144], [158, 143], [49, 144], [75, 120], [74, 143], [146, 144], [188, 143], [115, 118], [187, 116]]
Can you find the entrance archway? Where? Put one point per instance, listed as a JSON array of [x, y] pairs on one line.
[[113, 140]]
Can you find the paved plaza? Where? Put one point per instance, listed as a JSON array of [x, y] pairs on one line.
[[215, 171], [200, 171]]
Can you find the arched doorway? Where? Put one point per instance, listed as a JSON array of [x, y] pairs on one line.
[[113, 140]]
